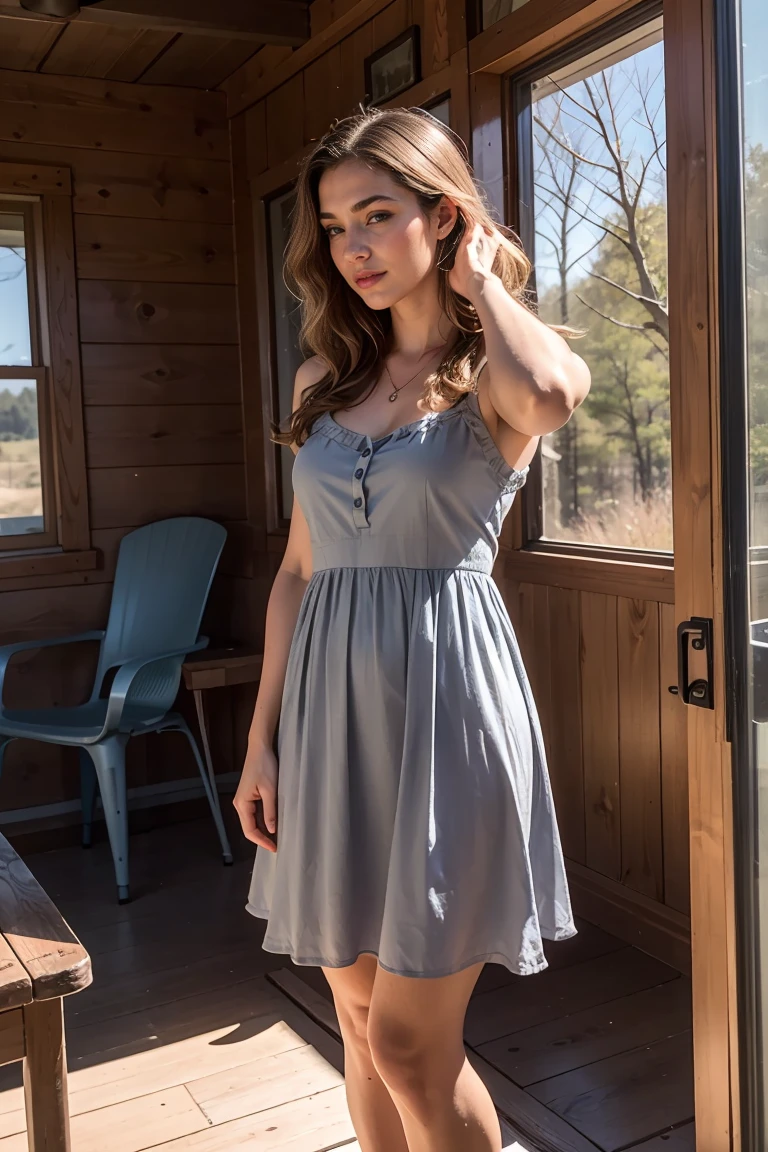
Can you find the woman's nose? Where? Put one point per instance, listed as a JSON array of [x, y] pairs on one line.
[[355, 246]]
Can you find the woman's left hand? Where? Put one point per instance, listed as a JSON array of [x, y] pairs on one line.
[[474, 259]]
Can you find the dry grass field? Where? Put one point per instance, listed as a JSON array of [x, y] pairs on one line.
[[20, 490]]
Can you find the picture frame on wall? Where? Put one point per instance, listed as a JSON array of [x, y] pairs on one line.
[[393, 68]]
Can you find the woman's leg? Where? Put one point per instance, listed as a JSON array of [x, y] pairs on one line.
[[376, 1119], [415, 1035]]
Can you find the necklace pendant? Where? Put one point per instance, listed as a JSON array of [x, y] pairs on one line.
[[393, 396]]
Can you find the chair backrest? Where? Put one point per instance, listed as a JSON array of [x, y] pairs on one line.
[[164, 574]]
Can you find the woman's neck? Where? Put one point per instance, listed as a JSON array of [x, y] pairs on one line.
[[419, 324]]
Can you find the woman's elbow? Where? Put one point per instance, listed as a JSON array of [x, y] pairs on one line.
[[554, 404]]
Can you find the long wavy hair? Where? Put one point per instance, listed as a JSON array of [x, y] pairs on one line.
[[419, 153]]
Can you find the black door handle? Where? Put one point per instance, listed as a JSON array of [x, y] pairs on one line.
[[697, 630]]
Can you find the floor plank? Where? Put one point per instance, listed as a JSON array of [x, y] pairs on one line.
[[569, 1042], [535, 999], [682, 1139], [617, 1102]]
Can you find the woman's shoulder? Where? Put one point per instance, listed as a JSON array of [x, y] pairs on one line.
[[308, 374]]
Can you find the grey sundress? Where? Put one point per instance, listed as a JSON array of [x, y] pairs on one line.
[[415, 815]]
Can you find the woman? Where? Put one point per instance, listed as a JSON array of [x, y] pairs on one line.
[[412, 832]]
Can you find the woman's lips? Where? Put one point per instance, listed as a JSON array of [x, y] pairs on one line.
[[370, 280]]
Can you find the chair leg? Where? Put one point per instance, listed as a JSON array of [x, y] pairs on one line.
[[109, 760], [4, 742], [88, 789], [209, 783]]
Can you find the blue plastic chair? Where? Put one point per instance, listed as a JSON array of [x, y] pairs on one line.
[[164, 574]]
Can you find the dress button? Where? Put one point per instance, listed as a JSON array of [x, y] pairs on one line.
[[358, 473], [366, 452], [358, 502]]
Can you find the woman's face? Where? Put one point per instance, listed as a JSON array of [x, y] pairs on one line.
[[378, 235]]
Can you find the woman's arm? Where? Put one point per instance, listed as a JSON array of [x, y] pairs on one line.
[[535, 381], [258, 780]]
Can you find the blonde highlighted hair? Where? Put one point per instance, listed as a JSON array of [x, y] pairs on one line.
[[419, 153]]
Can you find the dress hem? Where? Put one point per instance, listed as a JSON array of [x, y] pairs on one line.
[[486, 957]]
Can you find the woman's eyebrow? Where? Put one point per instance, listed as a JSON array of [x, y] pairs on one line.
[[359, 206]]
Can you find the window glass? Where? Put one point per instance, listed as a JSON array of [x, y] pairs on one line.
[[442, 111], [286, 335], [594, 220], [21, 494], [15, 342]]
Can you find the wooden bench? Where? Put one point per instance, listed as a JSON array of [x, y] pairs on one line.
[[41, 961]]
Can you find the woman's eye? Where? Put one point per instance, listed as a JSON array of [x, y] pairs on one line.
[[332, 230], [377, 216]]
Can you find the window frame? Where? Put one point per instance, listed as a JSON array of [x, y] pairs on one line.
[[519, 211], [44, 192]]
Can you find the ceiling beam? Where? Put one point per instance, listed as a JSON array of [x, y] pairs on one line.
[[263, 21]]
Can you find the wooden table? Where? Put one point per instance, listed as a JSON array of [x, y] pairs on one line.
[[218, 668], [41, 961]]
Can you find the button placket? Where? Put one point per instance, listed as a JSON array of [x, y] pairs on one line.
[[359, 510]]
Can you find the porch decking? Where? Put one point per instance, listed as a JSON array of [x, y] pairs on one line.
[[191, 1037]]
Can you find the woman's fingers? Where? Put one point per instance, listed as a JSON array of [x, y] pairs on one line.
[[246, 810]]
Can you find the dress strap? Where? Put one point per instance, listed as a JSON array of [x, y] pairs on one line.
[[511, 478]]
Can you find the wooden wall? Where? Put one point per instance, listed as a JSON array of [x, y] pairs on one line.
[[598, 638], [158, 325]]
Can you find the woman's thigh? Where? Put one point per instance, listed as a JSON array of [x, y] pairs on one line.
[[352, 989], [416, 1024]]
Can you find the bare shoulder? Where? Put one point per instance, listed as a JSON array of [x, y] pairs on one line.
[[308, 373]]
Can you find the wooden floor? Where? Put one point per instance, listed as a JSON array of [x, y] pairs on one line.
[[192, 1037]]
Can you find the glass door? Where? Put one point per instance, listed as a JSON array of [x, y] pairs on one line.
[[742, 130]]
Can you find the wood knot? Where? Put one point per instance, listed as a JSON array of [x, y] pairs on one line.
[[104, 193], [145, 311]]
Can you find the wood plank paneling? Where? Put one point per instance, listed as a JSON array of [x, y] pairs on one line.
[[640, 746], [322, 91], [106, 51], [199, 61], [24, 43], [674, 771], [123, 496], [285, 120], [88, 113], [600, 719], [119, 437], [160, 374], [566, 766], [169, 251], [123, 184], [352, 80], [117, 311]]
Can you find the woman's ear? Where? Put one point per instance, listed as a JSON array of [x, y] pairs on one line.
[[447, 214]]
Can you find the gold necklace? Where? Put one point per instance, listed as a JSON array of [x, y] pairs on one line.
[[396, 391]]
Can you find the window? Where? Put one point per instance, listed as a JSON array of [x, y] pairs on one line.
[[23, 509], [441, 110], [43, 503], [287, 355], [592, 216]]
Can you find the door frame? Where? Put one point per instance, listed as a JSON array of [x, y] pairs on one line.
[[514, 44]]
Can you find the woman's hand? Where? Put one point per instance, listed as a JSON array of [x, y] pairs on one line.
[[474, 258], [258, 781]]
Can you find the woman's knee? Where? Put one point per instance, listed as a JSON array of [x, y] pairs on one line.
[[416, 1065]]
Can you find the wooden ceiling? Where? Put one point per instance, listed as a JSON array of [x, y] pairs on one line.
[[189, 43]]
